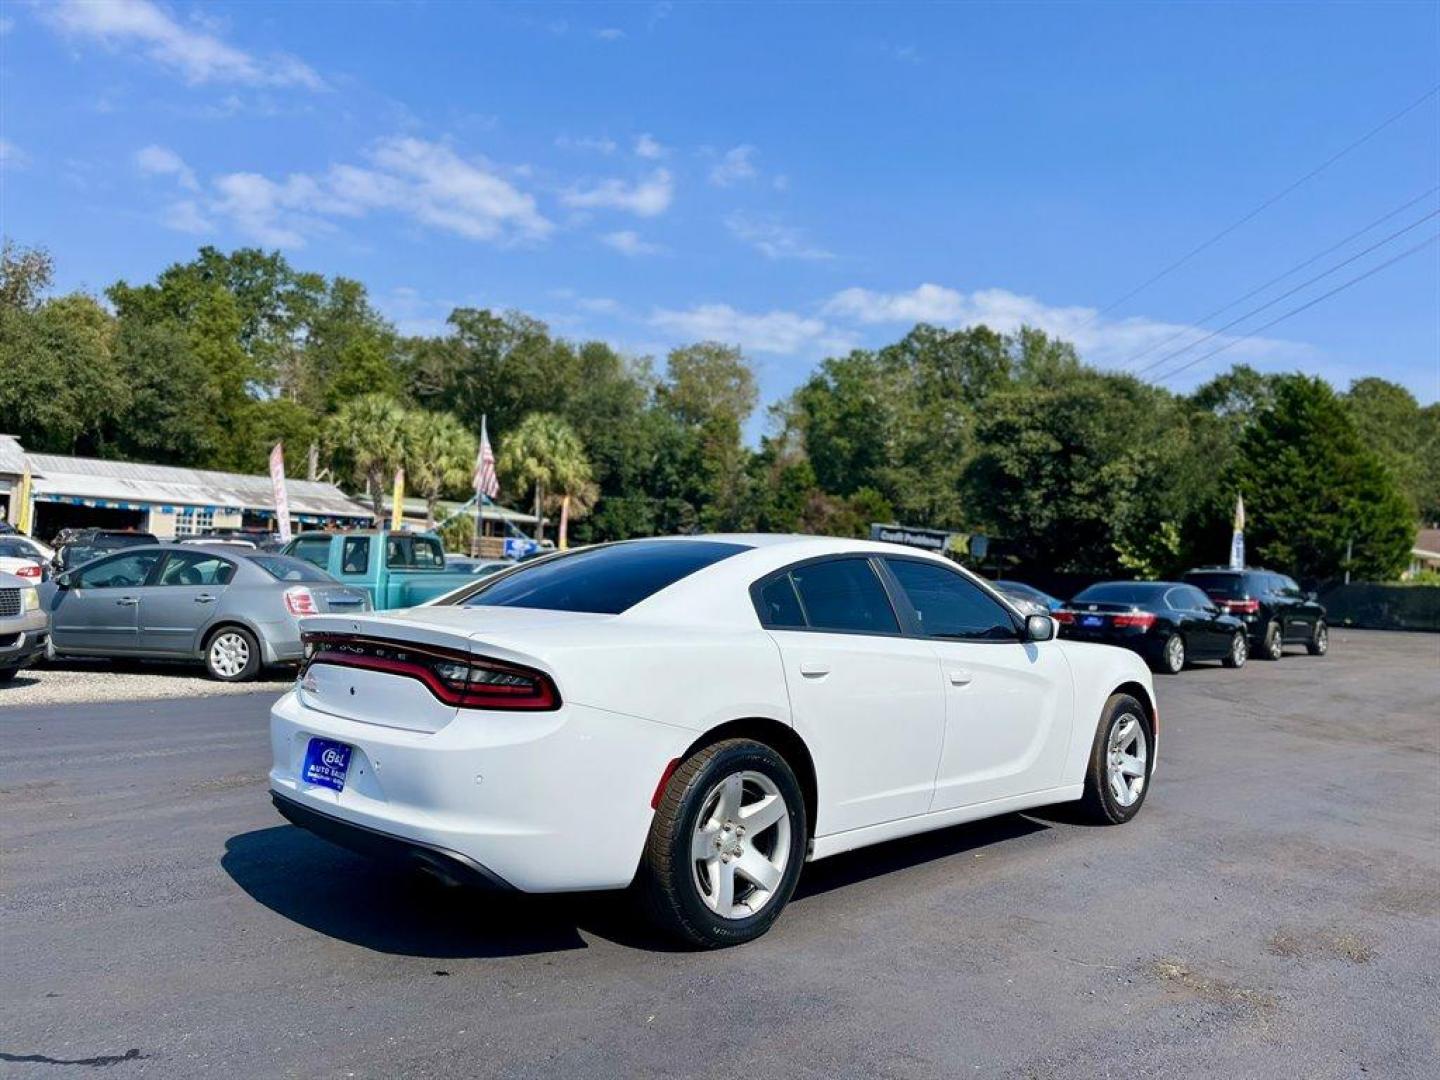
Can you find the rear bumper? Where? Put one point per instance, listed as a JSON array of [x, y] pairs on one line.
[[449, 866], [543, 802], [1148, 646]]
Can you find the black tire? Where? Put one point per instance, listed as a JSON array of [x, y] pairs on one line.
[[1272, 643], [1172, 656], [8, 673], [1319, 643], [219, 666], [1100, 805], [667, 880], [1239, 651]]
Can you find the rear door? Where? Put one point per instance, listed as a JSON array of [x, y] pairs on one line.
[[1008, 703], [100, 611], [867, 699], [181, 601]]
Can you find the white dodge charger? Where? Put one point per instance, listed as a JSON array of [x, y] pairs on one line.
[[697, 717]]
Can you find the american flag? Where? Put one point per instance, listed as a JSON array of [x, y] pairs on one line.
[[487, 484]]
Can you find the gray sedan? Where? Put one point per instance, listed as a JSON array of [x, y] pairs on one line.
[[234, 609]]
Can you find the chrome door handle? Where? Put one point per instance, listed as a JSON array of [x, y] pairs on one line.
[[128, 601], [204, 598], [813, 669], [960, 677]]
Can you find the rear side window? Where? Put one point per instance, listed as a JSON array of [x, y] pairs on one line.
[[779, 606], [603, 580], [315, 550], [286, 568], [844, 594], [949, 606]]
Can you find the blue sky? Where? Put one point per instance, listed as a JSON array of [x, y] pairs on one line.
[[798, 180]]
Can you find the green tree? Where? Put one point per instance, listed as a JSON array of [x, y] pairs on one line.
[[545, 455], [439, 457], [1313, 488], [366, 438], [1390, 421]]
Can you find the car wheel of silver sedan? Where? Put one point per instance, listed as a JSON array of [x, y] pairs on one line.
[[232, 654], [726, 845]]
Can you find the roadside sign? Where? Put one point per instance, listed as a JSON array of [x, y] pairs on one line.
[[929, 539]]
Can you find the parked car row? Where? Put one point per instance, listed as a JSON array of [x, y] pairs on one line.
[[1213, 613]]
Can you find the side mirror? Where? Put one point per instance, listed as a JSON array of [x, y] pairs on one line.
[[65, 580], [1039, 628], [1312, 596]]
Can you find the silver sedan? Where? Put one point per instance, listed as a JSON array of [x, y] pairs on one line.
[[237, 610]]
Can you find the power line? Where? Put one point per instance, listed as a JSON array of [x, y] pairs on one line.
[[1265, 205], [1197, 323], [1297, 310], [1288, 293]]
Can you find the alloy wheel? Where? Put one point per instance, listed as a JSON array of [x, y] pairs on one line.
[[1127, 755], [741, 844], [229, 654], [1239, 651], [1175, 653]]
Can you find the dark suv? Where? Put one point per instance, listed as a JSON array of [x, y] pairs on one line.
[[1273, 608]]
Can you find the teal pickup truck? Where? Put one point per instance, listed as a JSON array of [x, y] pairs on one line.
[[397, 569]]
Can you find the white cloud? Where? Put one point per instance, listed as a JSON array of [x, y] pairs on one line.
[[649, 148], [11, 156], [198, 55], [628, 242], [610, 33], [427, 182], [1099, 340], [772, 239], [187, 217], [644, 198], [162, 161], [782, 332], [596, 144], [735, 165]]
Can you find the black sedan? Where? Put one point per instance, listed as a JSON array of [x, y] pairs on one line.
[[1168, 623]]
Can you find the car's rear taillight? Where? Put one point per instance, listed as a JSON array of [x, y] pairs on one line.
[[1241, 607], [1140, 620], [455, 677], [1061, 615], [29, 570], [300, 601]]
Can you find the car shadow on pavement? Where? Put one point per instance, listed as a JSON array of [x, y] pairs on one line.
[[853, 867], [401, 911]]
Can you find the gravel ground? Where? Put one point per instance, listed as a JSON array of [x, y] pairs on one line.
[[73, 682], [1274, 912]]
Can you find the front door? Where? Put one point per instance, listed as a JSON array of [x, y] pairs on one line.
[[99, 612], [1008, 708], [867, 700], [181, 602]]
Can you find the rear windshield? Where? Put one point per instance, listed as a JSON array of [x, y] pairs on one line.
[[285, 568], [413, 552], [1229, 586], [17, 549], [604, 580], [1122, 592]]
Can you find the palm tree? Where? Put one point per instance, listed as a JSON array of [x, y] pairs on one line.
[[544, 453], [439, 457], [367, 438]]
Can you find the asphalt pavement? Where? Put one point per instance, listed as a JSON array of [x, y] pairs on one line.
[[1273, 912]]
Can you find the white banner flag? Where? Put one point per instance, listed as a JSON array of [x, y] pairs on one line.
[[277, 483], [1237, 537]]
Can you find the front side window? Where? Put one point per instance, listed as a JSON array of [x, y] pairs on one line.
[[196, 568], [605, 580], [844, 595], [120, 572], [355, 555], [948, 605]]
